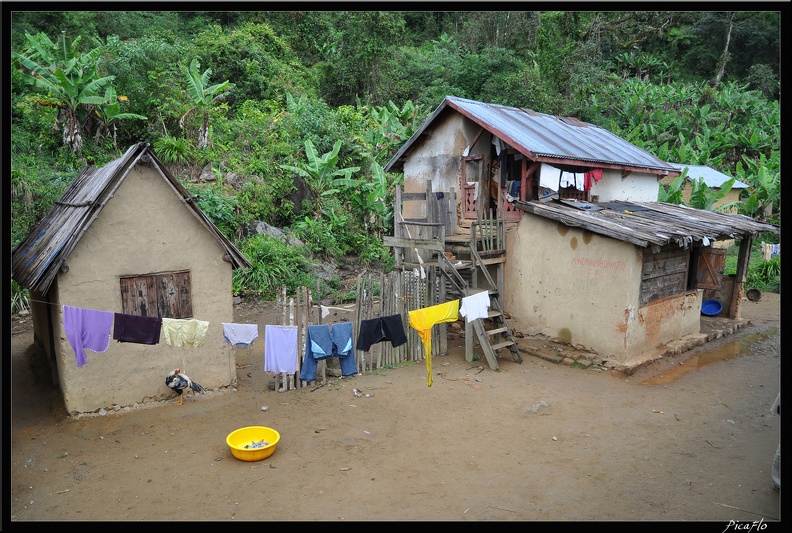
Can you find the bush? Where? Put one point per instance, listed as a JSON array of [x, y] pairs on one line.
[[275, 264], [765, 276], [174, 150], [20, 298], [762, 275]]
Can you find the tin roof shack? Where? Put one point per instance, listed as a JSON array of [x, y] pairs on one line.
[[492, 154], [544, 177], [128, 238]]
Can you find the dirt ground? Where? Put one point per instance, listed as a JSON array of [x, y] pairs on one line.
[[689, 439]]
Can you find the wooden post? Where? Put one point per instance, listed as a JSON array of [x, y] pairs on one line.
[[743, 259], [358, 318], [397, 229]]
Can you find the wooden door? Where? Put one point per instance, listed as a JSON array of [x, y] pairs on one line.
[[710, 268]]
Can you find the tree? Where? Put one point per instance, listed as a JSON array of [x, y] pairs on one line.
[[321, 175], [705, 197], [763, 198], [672, 193], [109, 112], [725, 55], [203, 97], [70, 79]]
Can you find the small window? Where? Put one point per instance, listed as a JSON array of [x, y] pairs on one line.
[[166, 295]]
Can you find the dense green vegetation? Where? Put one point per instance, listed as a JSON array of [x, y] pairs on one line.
[[297, 112]]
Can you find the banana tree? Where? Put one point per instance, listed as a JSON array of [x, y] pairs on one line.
[[322, 176], [70, 79], [109, 112], [764, 192], [375, 201], [203, 97], [672, 194], [705, 197]]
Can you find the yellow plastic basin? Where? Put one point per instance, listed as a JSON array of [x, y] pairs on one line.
[[252, 436]]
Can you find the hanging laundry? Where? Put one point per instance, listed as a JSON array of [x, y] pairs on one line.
[[240, 335], [571, 179], [475, 306], [342, 340], [422, 321], [591, 178], [280, 349], [180, 332], [375, 330], [321, 342], [136, 328], [326, 310], [86, 329], [552, 178], [498, 144], [514, 189], [503, 163]]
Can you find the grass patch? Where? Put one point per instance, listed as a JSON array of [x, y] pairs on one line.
[[762, 275]]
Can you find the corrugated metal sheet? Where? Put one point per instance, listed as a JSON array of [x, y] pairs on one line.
[[35, 261], [547, 138], [648, 223], [711, 177]]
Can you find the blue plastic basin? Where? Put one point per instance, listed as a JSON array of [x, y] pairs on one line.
[[711, 307]]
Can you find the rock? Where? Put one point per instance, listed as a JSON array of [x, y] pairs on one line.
[[207, 174], [260, 227]]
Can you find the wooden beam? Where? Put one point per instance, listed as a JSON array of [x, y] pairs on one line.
[[424, 244]]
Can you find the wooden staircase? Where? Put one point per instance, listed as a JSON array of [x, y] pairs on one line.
[[417, 241], [494, 334]]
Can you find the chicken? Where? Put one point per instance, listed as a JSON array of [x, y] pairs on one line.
[[178, 382]]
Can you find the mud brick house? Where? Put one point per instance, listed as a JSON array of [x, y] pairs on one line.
[[128, 238]]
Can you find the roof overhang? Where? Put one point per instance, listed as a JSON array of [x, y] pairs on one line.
[[646, 224]]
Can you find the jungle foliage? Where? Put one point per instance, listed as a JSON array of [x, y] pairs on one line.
[[295, 114]]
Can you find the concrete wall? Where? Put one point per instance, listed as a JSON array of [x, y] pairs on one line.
[[583, 289], [144, 229]]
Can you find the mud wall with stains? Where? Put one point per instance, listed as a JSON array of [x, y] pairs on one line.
[[583, 289]]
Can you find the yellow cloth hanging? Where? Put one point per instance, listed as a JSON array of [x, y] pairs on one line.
[[422, 320], [181, 332]]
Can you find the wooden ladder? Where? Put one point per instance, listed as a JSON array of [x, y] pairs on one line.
[[499, 334]]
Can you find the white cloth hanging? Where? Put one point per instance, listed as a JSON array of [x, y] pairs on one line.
[[240, 335], [280, 349], [475, 306]]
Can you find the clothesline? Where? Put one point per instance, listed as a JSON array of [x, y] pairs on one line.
[[90, 329], [325, 310]]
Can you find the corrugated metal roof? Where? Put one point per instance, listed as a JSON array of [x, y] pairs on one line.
[[548, 138], [648, 223], [711, 177], [35, 261]]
